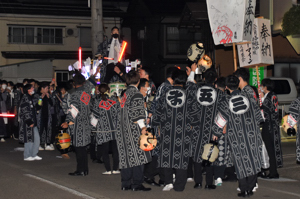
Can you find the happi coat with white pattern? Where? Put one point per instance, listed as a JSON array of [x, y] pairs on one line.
[[249, 92], [105, 119], [132, 110], [205, 102], [294, 118], [159, 92], [271, 125], [242, 119], [79, 113], [175, 129], [27, 116]]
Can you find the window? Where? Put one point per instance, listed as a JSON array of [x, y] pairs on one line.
[[85, 37], [35, 35], [282, 87], [21, 35], [179, 40], [62, 76]]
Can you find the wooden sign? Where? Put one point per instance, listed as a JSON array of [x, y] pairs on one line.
[[231, 21], [260, 50]]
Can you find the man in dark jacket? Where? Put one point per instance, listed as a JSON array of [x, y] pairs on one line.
[[111, 48]]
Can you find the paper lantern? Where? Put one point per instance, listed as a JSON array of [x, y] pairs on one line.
[[260, 50]]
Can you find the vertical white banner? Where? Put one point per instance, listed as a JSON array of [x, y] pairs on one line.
[[231, 21]]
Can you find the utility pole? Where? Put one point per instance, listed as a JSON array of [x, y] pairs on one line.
[[97, 24]]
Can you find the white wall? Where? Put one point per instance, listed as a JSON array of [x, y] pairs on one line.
[[40, 70]]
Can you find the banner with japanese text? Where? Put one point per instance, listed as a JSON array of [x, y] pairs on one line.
[[231, 21], [260, 50]]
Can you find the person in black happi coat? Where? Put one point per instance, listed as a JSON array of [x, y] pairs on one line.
[[18, 93], [150, 169], [106, 121], [95, 149], [223, 165], [132, 121], [205, 100], [270, 129], [166, 85], [175, 131], [28, 132], [44, 117], [78, 120], [242, 119], [294, 118], [5, 106], [243, 75]]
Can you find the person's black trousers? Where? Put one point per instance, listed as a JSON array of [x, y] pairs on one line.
[[45, 136], [190, 173], [268, 139], [219, 171], [55, 128], [15, 129], [95, 150], [230, 174], [132, 177], [81, 158], [10, 126], [151, 169], [248, 183], [198, 173], [180, 175], [105, 154], [110, 71]]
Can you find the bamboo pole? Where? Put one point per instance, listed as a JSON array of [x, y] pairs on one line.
[[234, 57]]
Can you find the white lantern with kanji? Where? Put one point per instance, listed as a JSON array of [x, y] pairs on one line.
[[260, 50]]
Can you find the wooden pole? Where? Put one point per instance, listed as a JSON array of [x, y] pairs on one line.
[[234, 57]]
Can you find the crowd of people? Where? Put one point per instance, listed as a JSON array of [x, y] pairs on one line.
[[183, 114], [32, 113]]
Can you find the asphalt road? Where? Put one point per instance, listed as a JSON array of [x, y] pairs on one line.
[[49, 178]]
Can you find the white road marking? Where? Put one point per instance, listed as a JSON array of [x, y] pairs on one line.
[[281, 179], [62, 187]]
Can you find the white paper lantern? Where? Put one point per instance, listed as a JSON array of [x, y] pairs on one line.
[[260, 50]]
